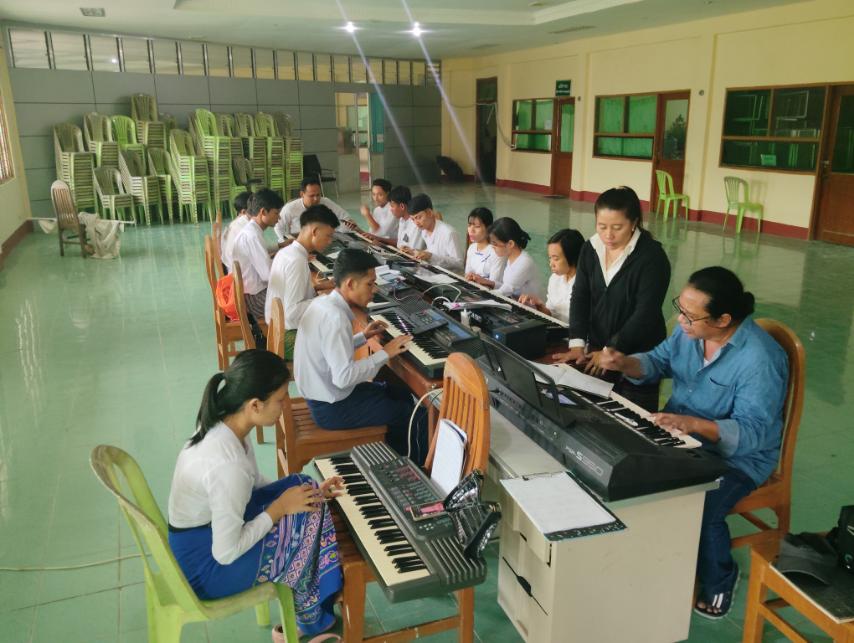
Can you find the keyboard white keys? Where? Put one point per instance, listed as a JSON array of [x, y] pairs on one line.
[[413, 348], [387, 555], [688, 441]]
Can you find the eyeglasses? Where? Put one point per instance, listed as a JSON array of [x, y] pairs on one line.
[[679, 310]]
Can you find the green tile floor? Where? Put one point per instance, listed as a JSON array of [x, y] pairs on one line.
[[118, 352]]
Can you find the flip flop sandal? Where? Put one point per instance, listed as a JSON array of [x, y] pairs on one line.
[[719, 604]]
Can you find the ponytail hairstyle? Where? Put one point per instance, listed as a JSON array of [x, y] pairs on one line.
[[253, 374], [506, 229], [570, 242], [622, 199], [726, 293]]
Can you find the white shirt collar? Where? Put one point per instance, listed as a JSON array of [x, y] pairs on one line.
[[337, 299]]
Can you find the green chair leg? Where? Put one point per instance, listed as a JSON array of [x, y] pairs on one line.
[[262, 614], [288, 613]]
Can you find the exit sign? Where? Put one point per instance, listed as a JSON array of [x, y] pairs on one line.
[[562, 87]]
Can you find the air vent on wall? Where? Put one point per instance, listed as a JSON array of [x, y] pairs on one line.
[[572, 29], [93, 12]]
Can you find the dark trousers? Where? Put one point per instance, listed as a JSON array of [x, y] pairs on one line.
[[716, 569], [375, 403], [255, 311]]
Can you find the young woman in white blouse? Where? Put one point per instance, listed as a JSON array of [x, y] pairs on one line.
[[229, 527], [483, 266], [521, 274], [563, 248]]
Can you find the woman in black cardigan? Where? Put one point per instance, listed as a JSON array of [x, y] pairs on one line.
[[623, 276]]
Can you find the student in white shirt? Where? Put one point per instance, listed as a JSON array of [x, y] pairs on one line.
[[564, 247], [382, 222], [408, 234], [251, 251], [309, 195], [339, 389], [521, 274], [442, 243], [229, 234], [291, 279], [483, 266], [229, 527]]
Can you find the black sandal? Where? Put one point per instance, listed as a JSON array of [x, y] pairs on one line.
[[718, 605]]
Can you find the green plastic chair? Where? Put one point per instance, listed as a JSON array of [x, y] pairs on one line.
[[158, 164], [668, 196], [170, 601], [734, 187], [108, 185], [265, 126], [254, 146], [216, 149], [190, 176], [74, 165], [137, 181], [124, 133], [98, 134]]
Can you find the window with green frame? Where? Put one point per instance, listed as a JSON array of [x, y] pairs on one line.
[[625, 126], [532, 124], [773, 128]]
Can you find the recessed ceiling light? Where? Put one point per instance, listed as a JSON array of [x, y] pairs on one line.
[[416, 30], [93, 12], [349, 27]]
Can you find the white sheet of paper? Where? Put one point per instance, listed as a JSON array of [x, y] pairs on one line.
[[449, 456], [434, 277], [565, 375], [486, 303], [556, 502]]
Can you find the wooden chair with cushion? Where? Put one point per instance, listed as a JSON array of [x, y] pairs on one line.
[[228, 333], [67, 220], [776, 493], [465, 402], [298, 438]]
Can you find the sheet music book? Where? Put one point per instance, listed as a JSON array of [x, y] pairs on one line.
[[566, 375], [560, 506], [449, 457]]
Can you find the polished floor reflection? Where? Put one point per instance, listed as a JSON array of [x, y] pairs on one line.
[[118, 352]]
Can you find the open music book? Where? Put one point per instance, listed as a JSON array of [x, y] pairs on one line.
[[565, 375]]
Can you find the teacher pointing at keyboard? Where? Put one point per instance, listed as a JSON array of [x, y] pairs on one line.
[[729, 384]]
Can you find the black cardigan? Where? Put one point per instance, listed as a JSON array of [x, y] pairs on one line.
[[626, 314]]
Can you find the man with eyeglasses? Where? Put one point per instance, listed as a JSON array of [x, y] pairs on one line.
[[729, 386]]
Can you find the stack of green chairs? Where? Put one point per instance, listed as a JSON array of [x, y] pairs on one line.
[[108, 183], [216, 149], [158, 165], [74, 164], [265, 126], [254, 147], [150, 130], [190, 175], [136, 181], [284, 123], [227, 127], [124, 133], [293, 165], [98, 134]]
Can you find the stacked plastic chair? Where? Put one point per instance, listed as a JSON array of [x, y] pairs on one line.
[[216, 148], [124, 133], [254, 147], [98, 134], [190, 175], [265, 126], [227, 127], [158, 165], [74, 165], [108, 185], [284, 123], [293, 164], [136, 181], [151, 131]]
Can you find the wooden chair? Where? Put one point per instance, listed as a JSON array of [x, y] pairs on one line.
[[764, 577], [776, 493], [66, 217], [465, 401], [216, 234], [298, 438], [228, 333]]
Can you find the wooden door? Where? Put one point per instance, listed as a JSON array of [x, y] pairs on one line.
[[836, 172], [671, 129], [562, 144], [487, 128]]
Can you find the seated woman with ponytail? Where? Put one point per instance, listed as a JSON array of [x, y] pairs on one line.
[[521, 275], [729, 385], [229, 527]]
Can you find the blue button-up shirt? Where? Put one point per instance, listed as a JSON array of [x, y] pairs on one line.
[[742, 389]]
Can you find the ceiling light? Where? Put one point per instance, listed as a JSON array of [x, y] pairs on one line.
[[416, 30], [349, 27], [93, 12], [115, 61]]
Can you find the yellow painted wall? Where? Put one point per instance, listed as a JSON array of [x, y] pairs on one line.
[[14, 201], [809, 42]]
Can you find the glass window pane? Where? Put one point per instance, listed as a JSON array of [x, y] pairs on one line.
[[487, 90], [798, 112], [543, 113], [218, 60], [843, 146], [783, 156], [642, 112], [390, 72], [376, 67], [630, 147], [341, 69], [404, 72], [105, 53], [747, 113], [323, 68], [285, 65], [241, 62], [264, 64], [358, 73], [69, 51], [523, 111], [135, 54], [434, 73], [29, 48], [610, 114], [305, 66], [418, 71], [192, 59], [567, 127], [165, 57], [538, 142], [675, 129]]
